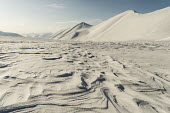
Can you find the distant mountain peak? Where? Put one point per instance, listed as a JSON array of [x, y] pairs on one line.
[[132, 11], [135, 11], [38, 35], [71, 32], [83, 24]]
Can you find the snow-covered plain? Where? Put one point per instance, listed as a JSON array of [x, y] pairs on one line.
[[47, 76]]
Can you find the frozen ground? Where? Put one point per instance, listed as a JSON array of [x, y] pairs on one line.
[[47, 76]]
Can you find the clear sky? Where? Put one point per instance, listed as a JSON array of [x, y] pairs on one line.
[[25, 16]]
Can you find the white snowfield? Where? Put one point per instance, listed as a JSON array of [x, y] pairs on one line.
[[48, 76], [128, 25]]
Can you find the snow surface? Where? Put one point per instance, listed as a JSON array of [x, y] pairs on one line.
[[48, 76]]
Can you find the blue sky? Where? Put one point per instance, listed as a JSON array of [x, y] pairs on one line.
[[24, 16]]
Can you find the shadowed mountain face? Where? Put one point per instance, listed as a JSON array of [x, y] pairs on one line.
[[129, 25], [10, 34], [72, 33]]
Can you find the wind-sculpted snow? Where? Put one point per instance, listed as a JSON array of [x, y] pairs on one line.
[[44, 76]]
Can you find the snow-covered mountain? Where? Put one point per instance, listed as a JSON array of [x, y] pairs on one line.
[[38, 35], [72, 33], [126, 26], [10, 34]]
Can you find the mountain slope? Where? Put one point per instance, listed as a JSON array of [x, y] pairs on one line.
[[71, 33], [129, 25], [133, 26], [10, 34]]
